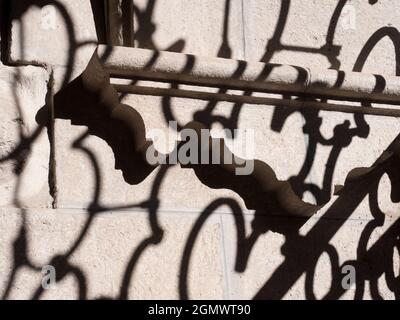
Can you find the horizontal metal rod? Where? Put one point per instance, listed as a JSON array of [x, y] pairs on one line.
[[294, 104], [252, 76]]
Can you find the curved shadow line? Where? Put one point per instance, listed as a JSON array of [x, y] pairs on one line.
[[187, 252]]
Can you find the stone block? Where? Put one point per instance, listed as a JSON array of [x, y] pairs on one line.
[[286, 32], [208, 28], [108, 246], [285, 266], [24, 174]]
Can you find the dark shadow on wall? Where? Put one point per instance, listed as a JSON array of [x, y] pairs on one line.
[[81, 105], [302, 252], [99, 16], [4, 30], [85, 108]]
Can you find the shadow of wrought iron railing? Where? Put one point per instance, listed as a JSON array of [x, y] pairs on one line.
[[308, 85]]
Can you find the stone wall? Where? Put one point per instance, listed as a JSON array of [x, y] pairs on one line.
[[65, 202]]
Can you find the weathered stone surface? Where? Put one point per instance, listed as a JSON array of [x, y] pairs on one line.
[[279, 261], [61, 34], [23, 92], [300, 39], [281, 147], [119, 24], [104, 253], [210, 28], [350, 145], [180, 189]]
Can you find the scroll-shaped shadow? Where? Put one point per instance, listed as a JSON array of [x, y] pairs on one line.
[[302, 252], [87, 102], [119, 125]]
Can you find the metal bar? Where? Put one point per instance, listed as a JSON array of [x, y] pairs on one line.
[[234, 98], [252, 76]]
